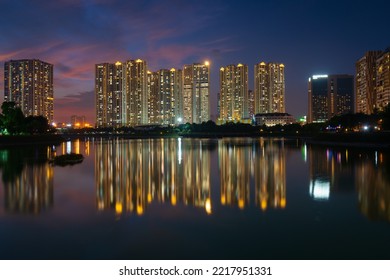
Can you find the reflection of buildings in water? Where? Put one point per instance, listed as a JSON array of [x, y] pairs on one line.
[[234, 163], [31, 191], [329, 171], [132, 174], [75, 146], [270, 174], [373, 186]]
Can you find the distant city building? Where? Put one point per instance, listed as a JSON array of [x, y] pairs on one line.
[[269, 88], [29, 83], [272, 119], [383, 80], [365, 83], [330, 96], [78, 121], [196, 91], [233, 96]]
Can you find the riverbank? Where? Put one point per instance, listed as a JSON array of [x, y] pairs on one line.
[[17, 140], [353, 139]]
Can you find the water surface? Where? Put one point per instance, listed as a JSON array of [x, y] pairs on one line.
[[232, 198]]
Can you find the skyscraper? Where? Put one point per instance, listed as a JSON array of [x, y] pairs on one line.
[[29, 83], [383, 80], [110, 95], [269, 88], [251, 103], [365, 83], [165, 104], [136, 92], [177, 93], [233, 93], [153, 98], [329, 96], [196, 90], [121, 93]]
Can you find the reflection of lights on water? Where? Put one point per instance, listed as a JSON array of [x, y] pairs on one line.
[[179, 154], [140, 210], [263, 204], [68, 147], [173, 200], [376, 158], [319, 189], [241, 203], [304, 152], [283, 202], [223, 200], [207, 206], [118, 208]]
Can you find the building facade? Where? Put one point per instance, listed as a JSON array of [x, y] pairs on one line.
[[196, 91], [233, 96], [269, 88], [110, 98], [29, 83], [136, 92], [153, 98], [365, 83], [272, 119], [330, 96], [383, 80]]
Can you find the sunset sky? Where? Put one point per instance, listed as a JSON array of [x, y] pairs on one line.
[[308, 37]]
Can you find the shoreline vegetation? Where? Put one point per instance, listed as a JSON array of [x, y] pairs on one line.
[[359, 130]]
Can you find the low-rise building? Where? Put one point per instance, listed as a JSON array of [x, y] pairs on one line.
[[272, 119]]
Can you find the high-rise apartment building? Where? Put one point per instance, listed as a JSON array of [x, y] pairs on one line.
[[136, 92], [269, 88], [29, 83], [318, 98], [153, 98], [329, 96], [110, 95], [383, 80], [365, 83], [121, 93], [166, 97], [233, 96], [251, 103], [196, 91], [165, 104], [177, 93]]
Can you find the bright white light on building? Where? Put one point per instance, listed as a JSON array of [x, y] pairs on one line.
[[365, 128], [179, 119], [315, 77], [319, 189]]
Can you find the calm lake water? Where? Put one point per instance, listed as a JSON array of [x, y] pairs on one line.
[[195, 199]]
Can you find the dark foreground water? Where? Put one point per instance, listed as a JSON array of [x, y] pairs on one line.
[[195, 199]]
